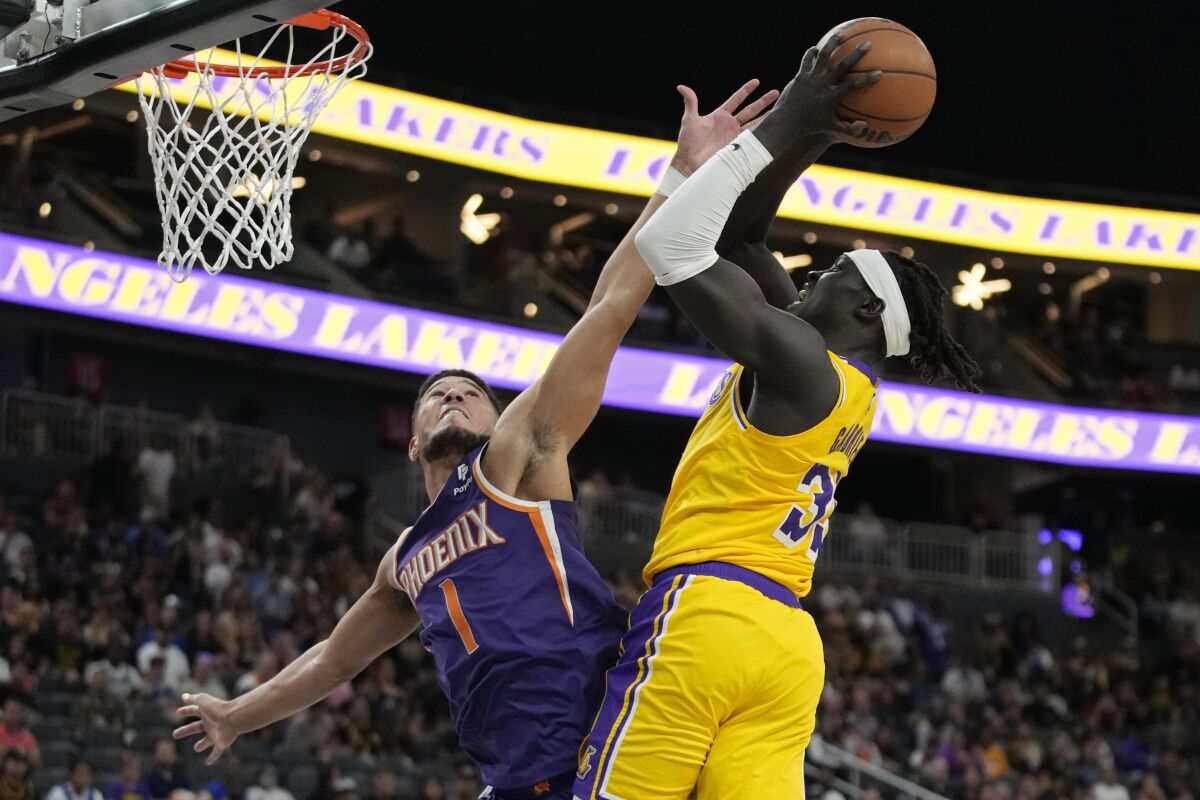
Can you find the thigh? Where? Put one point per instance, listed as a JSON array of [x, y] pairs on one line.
[[759, 750], [659, 715]]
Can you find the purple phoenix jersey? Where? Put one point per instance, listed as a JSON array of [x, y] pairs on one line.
[[520, 624]]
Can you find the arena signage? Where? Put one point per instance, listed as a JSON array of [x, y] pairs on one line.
[[593, 159], [125, 289]]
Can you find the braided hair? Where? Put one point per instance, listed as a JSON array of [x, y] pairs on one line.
[[933, 352]]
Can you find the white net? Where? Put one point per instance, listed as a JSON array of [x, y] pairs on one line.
[[224, 149]]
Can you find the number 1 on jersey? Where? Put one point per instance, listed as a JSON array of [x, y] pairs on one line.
[[458, 617], [820, 483]]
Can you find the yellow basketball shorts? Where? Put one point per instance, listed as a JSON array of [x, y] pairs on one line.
[[716, 691]]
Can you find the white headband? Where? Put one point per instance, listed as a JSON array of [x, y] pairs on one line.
[[879, 277]]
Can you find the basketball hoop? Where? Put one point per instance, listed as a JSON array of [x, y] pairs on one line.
[[224, 182]]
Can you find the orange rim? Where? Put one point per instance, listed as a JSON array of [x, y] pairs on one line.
[[320, 20]]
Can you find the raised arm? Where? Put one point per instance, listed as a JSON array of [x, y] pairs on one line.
[[786, 354], [380, 619], [744, 238], [528, 450]]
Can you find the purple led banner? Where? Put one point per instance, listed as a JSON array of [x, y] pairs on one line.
[[131, 290]]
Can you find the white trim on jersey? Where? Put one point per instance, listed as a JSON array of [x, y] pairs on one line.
[[547, 513], [837, 367], [392, 579], [524, 505]]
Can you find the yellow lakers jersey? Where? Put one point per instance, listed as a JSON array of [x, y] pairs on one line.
[[756, 500]]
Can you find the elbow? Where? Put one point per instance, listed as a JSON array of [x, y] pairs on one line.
[[738, 251], [650, 242], [673, 254], [732, 247]]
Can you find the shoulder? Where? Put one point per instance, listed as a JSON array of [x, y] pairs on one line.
[[387, 566]]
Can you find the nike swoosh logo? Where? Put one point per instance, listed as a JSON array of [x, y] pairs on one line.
[[735, 146]]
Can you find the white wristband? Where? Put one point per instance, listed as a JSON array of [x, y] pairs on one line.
[[680, 241], [671, 181]]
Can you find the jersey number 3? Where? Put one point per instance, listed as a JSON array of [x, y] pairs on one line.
[[820, 482]]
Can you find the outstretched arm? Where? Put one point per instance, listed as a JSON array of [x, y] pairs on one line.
[[529, 447], [380, 619], [787, 355]]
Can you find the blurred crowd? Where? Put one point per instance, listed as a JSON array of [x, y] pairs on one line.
[[1103, 350], [998, 712], [116, 597], [118, 594], [501, 278]]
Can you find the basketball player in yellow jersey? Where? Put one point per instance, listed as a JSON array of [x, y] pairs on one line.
[[717, 685]]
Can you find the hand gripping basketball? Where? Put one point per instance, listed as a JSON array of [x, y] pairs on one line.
[[809, 103]]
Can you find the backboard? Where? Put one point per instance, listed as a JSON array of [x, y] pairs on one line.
[[67, 49]]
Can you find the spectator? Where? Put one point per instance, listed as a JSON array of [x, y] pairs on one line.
[[13, 541], [15, 783], [202, 636], [156, 468], [268, 787], [130, 784], [219, 572], [165, 777], [345, 788], [61, 506], [98, 709], [351, 249], [432, 788], [203, 429], [314, 501], [383, 786], [78, 785], [265, 668], [401, 262], [67, 648], [867, 528], [15, 733], [351, 494], [1150, 789], [113, 482], [963, 682], [155, 688], [123, 679], [1108, 787], [175, 663], [321, 230], [229, 784], [204, 679]]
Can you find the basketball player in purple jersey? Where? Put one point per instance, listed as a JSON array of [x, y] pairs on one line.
[[520, 625]]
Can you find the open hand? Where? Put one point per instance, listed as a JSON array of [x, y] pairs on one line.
[[702, 136], [213, 722]]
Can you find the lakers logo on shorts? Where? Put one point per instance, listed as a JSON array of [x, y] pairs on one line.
[[585, 762]]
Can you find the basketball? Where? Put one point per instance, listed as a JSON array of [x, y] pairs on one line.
[[900, 102]]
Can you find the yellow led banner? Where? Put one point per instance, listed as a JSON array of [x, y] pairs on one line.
[[562, 154]]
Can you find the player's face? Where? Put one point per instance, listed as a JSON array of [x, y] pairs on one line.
[[830, 294], [454, 402]]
